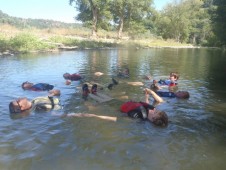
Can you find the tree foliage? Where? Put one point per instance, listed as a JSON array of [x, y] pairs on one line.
[[130, 15], [185, 21], [219, 20], [94, 13], [106, 13], [201, 22]]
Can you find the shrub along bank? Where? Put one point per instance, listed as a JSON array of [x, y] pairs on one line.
[[27, 42]]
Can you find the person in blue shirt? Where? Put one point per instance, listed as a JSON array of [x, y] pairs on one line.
[[172, 81], [36, 87]]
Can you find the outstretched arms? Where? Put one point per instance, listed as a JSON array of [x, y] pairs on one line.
[[110, 118]]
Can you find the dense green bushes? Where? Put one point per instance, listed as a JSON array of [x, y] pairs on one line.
[[4, 43], [26, 42], [23, 43]]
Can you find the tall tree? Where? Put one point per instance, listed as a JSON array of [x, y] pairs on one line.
[[200, 28], [185, 21], [219, 20], [130, 14], [175, 22], [93, 12], [118, 9]]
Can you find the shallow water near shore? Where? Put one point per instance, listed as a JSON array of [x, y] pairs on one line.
[[194, 139]]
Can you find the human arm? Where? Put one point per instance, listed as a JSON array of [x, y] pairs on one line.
[[110, 118], [154, 95], [146, 96]]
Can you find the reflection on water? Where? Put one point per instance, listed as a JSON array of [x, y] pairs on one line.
[[194, 139]]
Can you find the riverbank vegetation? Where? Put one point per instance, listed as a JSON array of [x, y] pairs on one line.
[[199, 22], [14, 40], [120, 23]]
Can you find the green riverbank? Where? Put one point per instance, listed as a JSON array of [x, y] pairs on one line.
[[27, 42]]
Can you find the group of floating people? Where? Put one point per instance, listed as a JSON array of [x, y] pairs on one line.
[[134, 109]]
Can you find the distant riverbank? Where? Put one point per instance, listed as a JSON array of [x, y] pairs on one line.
[[13, 42], [26, 43]]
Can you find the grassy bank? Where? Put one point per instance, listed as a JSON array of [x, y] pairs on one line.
[[30, 40]]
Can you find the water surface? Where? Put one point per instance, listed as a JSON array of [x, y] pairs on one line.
[[194, 139]]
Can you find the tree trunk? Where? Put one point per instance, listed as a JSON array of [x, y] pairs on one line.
[[177, 37], [94, 24], [194, 39], [121, 23]]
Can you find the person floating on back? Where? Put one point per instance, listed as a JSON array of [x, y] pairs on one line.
[[36, 87], [72, 77], [145, 111], [21, 105], [159, 94]]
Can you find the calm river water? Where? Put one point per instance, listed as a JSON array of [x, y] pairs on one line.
[[194, 139]]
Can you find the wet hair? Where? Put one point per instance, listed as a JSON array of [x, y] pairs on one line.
[[175, 75], [185, 94], [67, 76], [160, 119], [24, 84], [12, 108]]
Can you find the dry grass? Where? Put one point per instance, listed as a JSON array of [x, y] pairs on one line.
[[84, 34]]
